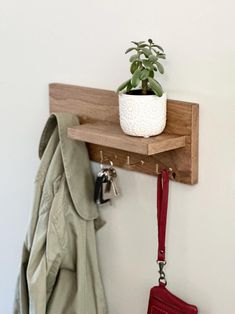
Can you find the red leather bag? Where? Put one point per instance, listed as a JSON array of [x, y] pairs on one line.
[[161, 300]]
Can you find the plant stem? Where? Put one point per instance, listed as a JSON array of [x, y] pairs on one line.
[[144, 87]]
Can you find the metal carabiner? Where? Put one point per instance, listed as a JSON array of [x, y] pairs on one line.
[[162, 277]]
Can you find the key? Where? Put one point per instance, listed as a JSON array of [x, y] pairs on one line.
[[101, 179], [113, 176], [114, 187], [107, 186], [110, 190], [111, 173]]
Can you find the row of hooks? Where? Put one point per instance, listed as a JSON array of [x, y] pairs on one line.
[[129, 163]]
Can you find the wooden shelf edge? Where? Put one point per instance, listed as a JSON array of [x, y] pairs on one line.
[[111, 135]]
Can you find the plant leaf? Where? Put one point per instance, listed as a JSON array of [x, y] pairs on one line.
[[134, 57], [153, 58], [130, 49], [161, 55], [143, 45], [123, 85], [155, 86], [147, 52], [137, 42], [129, 87], [159, 47], [160, 67], [151, 74], [148, 64], [155, 68], [136, 78], [134, 66], [144, 74]]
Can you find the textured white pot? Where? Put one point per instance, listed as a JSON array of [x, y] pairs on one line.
[[142, 115]]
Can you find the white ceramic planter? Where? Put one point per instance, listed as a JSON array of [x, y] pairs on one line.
[[142, 115]]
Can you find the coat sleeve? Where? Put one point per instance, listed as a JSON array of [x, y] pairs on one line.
[[47, 251], [21, 302]]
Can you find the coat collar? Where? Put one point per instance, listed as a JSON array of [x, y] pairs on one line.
[[76, 163]]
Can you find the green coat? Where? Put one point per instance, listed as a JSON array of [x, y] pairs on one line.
[[59, 269]]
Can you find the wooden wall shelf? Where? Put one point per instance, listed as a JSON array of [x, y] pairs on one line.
[[176, 148], [110, 134]]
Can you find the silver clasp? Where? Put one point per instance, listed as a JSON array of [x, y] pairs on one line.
[[162, 277]]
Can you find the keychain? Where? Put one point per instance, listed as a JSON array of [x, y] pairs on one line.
[[105, 185], [110, 189]]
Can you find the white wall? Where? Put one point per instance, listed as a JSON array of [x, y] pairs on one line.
[[83, 42]]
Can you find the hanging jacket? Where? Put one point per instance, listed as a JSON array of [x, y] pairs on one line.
[[59, 269]]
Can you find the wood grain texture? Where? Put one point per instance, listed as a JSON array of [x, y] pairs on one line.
[[110, 134], [95, 105]]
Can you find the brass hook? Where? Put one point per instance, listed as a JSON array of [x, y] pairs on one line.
[[103, 159], [129, 163], [157, 169], [133, 163], [170, 170], [101, 156]]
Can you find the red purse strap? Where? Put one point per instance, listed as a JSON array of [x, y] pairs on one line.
[[162, 204]]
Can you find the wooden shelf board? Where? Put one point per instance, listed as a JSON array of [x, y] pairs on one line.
[[97, 109], [110, 135]]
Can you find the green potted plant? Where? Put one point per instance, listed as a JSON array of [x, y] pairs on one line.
[[143, 110]]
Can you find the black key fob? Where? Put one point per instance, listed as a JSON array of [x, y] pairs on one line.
[[98, 194]]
